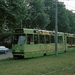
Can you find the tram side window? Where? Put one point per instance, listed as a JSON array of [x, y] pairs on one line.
[[19, 39], [70, 40], [52, 39], [47, 39], [73, 40], [35, 39], [41, 37], [29, 38], [15, 40], [60, 39]]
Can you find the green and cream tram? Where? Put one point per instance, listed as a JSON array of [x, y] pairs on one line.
[[29, 43]]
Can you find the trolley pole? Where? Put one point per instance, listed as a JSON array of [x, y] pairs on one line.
[[56, 28]]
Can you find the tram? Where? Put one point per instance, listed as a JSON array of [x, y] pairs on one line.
[[29, 43]]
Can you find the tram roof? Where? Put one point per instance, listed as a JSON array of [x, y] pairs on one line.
[[39, 31], [42, 31]]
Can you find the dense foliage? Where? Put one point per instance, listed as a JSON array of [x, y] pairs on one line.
[[35, 14]]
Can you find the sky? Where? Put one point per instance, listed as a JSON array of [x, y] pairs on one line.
[[70, 4]]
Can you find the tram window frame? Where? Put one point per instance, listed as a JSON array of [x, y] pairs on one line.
[[29, 38], [60, 39], [36, 39], [47, 39], [42, 39]]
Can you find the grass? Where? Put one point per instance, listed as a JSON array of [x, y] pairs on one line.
[[63, 64]]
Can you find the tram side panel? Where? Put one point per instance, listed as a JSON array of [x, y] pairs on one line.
[[32, 46]]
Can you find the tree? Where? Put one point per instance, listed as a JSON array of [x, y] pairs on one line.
[[13, 12], [63, 20], [71, 17], [37, 16], [50, 10]]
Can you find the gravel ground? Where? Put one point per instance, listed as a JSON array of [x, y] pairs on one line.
[[5, 56]]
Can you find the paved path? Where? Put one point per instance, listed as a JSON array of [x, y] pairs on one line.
[[7, 55]]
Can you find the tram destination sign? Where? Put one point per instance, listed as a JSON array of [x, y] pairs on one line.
[[18, 30]]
